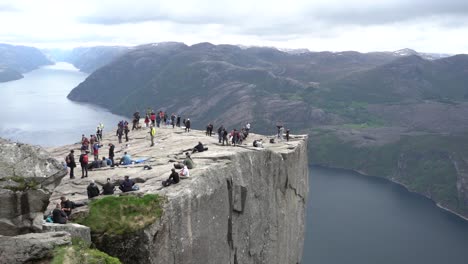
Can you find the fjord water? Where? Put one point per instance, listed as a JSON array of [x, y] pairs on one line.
[[357, 219], [35, 109], [351, 218]]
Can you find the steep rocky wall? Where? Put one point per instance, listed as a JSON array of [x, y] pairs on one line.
[[246, 208]]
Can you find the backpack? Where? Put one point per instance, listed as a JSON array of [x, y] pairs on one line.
[[85, 158]]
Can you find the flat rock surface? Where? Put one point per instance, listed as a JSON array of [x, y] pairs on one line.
[[170, 145]]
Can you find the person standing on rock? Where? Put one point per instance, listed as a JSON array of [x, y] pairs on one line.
[[287, 135], [126, 130], [84, 159], [152, 134], [225, 137], [220, 133], [147, 120], [70, 160], [120, 133], [96, 148], [187, 125], [153, 118], [178, 121], [92, 189], [111, 153]]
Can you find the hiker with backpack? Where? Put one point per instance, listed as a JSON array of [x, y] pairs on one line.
[[84, 159], [70, 160], [96, 148]]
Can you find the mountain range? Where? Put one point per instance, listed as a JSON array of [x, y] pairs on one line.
[[398, 115]]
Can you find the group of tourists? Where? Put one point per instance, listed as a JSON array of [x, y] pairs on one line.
[[161, 119], [152, 120], [234, 137]]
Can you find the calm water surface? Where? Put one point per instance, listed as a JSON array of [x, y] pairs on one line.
[[356, 219], [351, 218], [35, 109]]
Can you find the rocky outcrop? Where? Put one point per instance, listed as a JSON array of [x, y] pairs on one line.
[[241, 204], [31, 248], [28, 175], [75, 230]]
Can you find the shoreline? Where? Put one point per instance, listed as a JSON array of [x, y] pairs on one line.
[[400, 184]]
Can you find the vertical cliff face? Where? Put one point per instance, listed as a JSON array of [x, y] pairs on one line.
[[245, 205]]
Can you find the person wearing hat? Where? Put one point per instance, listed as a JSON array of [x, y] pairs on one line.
[[70, 160], [173, 178], [92, 189]]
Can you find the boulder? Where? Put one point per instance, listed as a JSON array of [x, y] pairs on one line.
[[28, 175], [75, 230], [31, 248]]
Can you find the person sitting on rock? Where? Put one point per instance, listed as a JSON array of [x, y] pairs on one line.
[[258, 143], [199, 148], [93, 190], [66, 205], [108, 188], [58, 215], [173, 178], [126, 159], [184, 173], [187, 161], [127, 185], [105, 162]]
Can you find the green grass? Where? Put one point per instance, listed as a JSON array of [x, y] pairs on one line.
[[122, 214], [80, 253]]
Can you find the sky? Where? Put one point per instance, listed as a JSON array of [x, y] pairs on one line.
[[336, 25]]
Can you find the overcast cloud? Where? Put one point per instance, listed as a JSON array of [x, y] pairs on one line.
[[363, 25]]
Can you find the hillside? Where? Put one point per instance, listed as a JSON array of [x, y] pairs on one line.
[[15, 60], [407, 112]]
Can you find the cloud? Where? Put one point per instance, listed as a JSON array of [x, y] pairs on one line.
[[262, 12], [7, 8]]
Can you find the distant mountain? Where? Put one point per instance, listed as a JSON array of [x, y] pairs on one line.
[[15, 60], [406, 79], [87, 59], [427, 56]]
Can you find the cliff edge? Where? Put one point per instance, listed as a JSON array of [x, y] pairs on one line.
[[241, 204]]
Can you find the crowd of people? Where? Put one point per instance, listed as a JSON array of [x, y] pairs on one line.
[[161, 119]]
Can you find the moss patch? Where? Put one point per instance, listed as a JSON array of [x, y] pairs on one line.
[[21, 184], [80, 253], [122, 214]]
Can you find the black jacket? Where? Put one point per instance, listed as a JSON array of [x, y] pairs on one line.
[[59, 216], [108, 188], [93, 191], [174, 176]]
